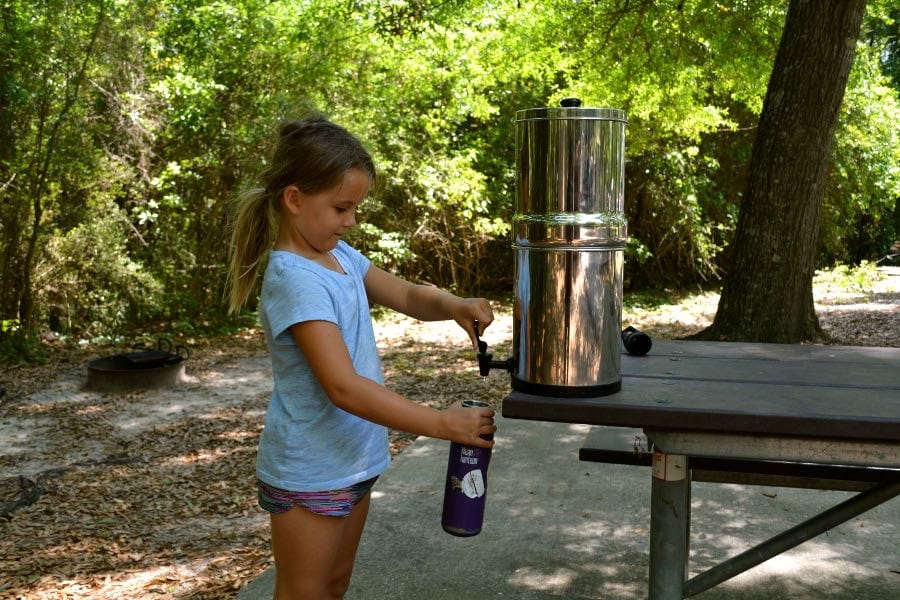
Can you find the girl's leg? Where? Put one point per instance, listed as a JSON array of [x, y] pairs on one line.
[[305, 546], [314, 554], [343, 566]]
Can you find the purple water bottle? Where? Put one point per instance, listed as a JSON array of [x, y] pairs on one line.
[[466, 486]]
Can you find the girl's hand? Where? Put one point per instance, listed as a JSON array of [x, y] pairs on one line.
[[469, 310], [467, 425]]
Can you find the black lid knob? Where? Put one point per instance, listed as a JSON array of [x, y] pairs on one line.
[[570, 102]]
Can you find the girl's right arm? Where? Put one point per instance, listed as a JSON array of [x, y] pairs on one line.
[[324, 349]]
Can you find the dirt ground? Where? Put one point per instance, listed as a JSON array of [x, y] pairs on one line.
[[150, 493]]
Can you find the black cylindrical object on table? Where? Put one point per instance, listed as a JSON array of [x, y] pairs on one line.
[[465, 487], [636, 342]]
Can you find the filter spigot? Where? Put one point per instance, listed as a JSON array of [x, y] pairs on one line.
[[486, 360]]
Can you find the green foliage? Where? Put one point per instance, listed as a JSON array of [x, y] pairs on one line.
[[864, 185], [672, 196], [19, 349], [884, 35], [858, 279], [121, 291], [127, 127], [387, 249]]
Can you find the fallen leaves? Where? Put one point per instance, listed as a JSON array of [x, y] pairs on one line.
[[132, 511]]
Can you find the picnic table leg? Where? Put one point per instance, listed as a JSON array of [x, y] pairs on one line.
[[670, 506]]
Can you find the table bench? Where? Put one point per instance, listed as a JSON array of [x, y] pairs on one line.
[[630, 446]]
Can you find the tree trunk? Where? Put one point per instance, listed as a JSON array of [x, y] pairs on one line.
[[767, 293]]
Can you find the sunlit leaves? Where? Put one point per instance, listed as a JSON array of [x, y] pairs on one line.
[[864, 183], [182, 97]]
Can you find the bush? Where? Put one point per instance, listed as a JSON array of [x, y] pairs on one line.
[[87, 284]]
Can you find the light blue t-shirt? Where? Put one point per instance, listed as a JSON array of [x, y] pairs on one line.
[[308, 443]]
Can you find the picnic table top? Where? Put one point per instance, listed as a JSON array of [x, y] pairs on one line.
[[836, 392]]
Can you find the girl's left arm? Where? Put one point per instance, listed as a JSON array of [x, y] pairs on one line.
[[427, 303]]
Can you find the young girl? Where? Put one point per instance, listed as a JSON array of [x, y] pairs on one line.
[[325, 438]]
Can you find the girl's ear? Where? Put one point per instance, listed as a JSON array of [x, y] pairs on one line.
[[291, 198]]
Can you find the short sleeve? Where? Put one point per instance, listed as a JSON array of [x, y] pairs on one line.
[[296, 295]]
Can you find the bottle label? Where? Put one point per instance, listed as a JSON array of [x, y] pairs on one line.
[[468, 456], [471, 484]]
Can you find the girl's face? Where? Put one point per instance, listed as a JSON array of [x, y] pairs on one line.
[[318, 221]]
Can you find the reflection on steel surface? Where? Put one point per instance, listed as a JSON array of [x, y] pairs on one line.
[[570, 232]]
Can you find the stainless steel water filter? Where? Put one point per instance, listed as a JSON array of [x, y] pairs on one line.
[[570, 234]]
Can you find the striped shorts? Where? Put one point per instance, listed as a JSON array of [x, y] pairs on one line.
[[330, 503]]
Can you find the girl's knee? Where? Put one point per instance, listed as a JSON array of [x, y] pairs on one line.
[[306, 589], [337, 588], [293, 588]]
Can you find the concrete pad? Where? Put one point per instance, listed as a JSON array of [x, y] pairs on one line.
[[559, 528]]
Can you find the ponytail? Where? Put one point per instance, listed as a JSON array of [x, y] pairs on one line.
[[252, 234]]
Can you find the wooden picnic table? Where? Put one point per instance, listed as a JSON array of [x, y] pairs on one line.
[[828, 405]]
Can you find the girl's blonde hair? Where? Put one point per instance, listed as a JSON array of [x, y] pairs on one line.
[[311, 154]]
